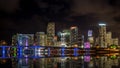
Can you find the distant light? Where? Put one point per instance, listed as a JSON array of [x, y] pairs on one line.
[[102, 24], [87, 58], [73, 27], [89, 33], [87, 45]]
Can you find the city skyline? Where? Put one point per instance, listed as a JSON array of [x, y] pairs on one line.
[[60, 33], [95, 33], [67, 37]]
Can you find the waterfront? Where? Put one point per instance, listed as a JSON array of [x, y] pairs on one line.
[[59, 57], [85, 61]]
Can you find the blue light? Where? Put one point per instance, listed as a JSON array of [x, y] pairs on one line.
[[3, 51], [48, 51], [75, 51], [20, 51], [63, 49]]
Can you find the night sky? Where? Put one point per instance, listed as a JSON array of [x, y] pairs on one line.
[[30, 16]]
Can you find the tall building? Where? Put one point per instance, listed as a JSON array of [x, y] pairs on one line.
[[90, 37], [41, 39], [50, 33], [74, 35], [55, 41], [102, 35], [81, 41], [25, 39], [109, 38], [67, 35], [64, 37], [22, 39]]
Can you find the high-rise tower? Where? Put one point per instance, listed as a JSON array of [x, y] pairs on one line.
[[50, 33], [90, 37], [41, 38], [74, 35], [102, 35]]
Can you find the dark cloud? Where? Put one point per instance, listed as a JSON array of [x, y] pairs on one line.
[[9, 5], [32, 16]]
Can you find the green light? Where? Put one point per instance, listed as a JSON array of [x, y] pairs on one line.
[[113, 57], [14, 48], [113, 46], [14, 54]]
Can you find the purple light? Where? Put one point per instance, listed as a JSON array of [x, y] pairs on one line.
[[26, 44], [87, 58], [86, 45], [26, 60]]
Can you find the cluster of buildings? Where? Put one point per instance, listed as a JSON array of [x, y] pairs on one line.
[[104, 38], [65, 38]]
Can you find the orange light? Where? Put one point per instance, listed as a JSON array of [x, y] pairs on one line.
[[73, 27]]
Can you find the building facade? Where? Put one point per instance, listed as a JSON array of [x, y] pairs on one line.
[[74, 35], [41, 38], [50, 33], [102, 35]]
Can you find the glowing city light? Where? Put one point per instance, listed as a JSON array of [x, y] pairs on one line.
[[74, 27], [101, 24], [86, 45], [62, 51], [75, 51], [87, 58]]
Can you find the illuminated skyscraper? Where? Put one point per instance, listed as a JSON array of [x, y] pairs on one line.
[[50, 33], [41, 39], [74, 35], [55, 41], [109, 38], [62, 39], [64, 36], [90, 37], [102, 35], [23, 39], [67, 36]]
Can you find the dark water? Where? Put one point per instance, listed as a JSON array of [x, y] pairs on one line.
[[86, 61]]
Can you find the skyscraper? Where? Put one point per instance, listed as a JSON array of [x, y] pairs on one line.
[[74, 35], [23, 39], [109, 38], [50, 33], [102, 35], [41, 39], [67, 35], [90, 37]]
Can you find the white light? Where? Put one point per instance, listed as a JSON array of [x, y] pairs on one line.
[[39, 54], [102, 24], [39, 50]]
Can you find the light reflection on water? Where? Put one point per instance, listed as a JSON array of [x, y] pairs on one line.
[[63, 60], [87, 61]]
